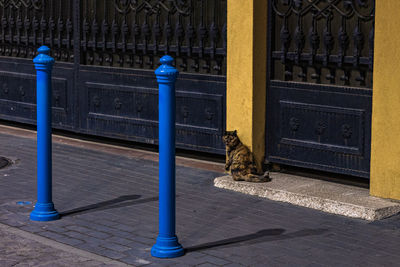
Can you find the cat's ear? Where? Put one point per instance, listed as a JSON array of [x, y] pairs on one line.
[[235, 132]]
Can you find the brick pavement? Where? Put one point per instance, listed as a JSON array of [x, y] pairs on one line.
[[20, 248], [108, 199]]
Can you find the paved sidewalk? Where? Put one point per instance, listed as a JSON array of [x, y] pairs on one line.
[[108, 199], [21, 248]]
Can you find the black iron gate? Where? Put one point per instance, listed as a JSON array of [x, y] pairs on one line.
[[106, 51], [319, 93]]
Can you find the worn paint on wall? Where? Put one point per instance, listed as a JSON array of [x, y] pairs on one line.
[[385, 146], [240, 69], [246, 72]]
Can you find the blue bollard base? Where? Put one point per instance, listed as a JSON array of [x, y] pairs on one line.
[[167, 247], [44, 216], [44, 212]]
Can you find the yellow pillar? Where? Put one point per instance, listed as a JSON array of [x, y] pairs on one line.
[[385, 144], [246, 72]]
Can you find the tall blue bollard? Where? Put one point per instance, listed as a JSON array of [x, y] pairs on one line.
[[44, 208], [167, 245]]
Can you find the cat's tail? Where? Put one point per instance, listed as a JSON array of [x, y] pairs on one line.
[[258, 178]]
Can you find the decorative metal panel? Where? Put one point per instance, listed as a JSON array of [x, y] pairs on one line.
[[335, 129], [323, 41], [28, 24], [106, 51], [136, 33], [319, 93]]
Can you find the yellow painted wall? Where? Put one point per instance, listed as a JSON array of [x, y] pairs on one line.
[[246, 87], [246, 72], [385, 145]]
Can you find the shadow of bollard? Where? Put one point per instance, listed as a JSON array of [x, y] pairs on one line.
[[266, 235], [119, 202]]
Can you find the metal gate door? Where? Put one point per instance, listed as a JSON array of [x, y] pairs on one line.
[[319, 93], [105, 54]]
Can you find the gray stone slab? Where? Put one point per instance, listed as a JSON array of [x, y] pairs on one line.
[[341, 199]]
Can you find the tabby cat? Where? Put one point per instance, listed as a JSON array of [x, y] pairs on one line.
[[240, 160]]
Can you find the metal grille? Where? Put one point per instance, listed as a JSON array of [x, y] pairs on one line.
[[26, 24], [120, 33], [137, 33], [106, 51], [323, 41]]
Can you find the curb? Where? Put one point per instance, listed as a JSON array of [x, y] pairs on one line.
[[360, 205]]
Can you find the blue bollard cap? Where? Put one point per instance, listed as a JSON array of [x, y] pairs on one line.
[[44, 50], [167, 60], [166, 73], [43, 60]]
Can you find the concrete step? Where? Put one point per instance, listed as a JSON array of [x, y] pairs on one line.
[[336, 198]]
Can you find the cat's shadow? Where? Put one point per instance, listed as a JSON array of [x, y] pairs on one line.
[[266, 235]]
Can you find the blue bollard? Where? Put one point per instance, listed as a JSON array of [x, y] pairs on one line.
[[167, 245], [44, 208]]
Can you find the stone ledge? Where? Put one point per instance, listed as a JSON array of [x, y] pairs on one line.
[[346, 200]]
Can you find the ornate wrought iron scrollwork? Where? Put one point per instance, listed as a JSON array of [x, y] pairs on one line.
[[27, 24], [119, 33], [135, 33], [336, 50]]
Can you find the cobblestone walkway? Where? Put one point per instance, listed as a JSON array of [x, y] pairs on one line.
[[109, 202]]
